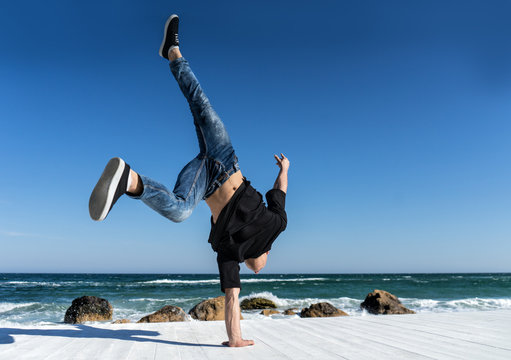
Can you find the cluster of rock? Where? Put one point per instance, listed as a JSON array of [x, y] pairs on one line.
[[377, 302], [91, 308], [268, 308]]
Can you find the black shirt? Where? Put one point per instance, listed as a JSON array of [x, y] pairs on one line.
[[246, 229]]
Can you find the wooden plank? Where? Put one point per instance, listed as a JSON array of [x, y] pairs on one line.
[[308, 334], [480, 335], [285, 343], [345, 331], [63, 350], [457, 329], [211, 335], [169, 349], [437, 337], [423, 329], [23, 344], [40, 341], [351, 347], [270, 346], [470, 322], [460, 329], [188, 346], [410, 340], [143, 350], [116, 349]]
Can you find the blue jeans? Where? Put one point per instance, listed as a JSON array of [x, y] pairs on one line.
[[214, 164]]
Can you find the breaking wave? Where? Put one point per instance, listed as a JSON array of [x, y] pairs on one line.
[[217, 281]]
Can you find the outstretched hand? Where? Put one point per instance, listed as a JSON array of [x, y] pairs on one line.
[[239, 343], [282, 162]]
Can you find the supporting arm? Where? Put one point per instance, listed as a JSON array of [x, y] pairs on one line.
[[232, 319]]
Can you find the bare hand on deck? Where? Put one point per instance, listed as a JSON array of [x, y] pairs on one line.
[[239, 343]]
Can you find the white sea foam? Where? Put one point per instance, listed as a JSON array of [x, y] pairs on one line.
[[350, 305], [52, 284], [281, 280], [4, 307], [170, 300], [171, 281], [31, 283], [31, 313], [146, 299], [217, 281], [469, 304], [9, 323]]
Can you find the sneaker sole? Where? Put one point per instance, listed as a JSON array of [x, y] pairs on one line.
[[165, 36], [102, 196]]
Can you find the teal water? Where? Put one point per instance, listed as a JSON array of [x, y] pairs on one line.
[[44, 298]]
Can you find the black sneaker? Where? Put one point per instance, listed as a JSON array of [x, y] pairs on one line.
[[111, 186], [169, 36]]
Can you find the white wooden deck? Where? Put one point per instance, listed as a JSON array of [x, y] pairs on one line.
[[467, 335]]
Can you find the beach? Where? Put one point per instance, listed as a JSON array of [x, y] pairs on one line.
[[461, 335], [42, 299], [464, 316], [389, 239]]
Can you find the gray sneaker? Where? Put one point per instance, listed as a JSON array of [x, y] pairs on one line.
[[111, 186]]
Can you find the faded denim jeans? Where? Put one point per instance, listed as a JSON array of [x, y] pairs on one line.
[[214, 164]]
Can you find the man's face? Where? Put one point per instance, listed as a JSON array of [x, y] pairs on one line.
[[258, 263]]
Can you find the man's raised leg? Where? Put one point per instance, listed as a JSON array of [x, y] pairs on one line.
[[211, 133]]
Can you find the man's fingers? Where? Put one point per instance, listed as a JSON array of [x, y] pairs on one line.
[[282, 161]]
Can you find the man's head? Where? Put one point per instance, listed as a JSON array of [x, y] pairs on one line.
[[258, 263]]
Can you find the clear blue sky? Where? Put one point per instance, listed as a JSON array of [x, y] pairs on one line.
[[395, 116]]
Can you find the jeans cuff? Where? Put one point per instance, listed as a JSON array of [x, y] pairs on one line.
[[145, 181], [177, 62]]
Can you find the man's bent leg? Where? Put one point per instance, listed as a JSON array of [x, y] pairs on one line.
[[176, 205]]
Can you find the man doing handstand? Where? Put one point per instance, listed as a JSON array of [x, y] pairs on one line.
[[243, 229]]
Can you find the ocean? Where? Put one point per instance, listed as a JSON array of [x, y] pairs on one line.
[[36, 299]]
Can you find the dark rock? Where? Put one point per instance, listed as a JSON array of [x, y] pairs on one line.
[[290, 311], [257, 303], [323, 309], [168, 313], [382, 302], [121, 321], [268, 312], [210, 310], [88, 308]]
